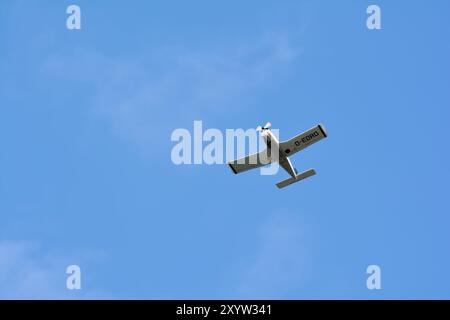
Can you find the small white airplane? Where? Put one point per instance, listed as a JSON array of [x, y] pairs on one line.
[[284, 150]]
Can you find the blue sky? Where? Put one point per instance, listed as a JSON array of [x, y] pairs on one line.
[[86, 176]]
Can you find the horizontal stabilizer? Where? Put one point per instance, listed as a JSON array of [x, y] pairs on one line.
[[299, 177]]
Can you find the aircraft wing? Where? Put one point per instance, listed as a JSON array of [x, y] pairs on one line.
[[250, 162], [303, 140]]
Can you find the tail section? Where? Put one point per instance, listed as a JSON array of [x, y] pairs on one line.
[[298, 177]]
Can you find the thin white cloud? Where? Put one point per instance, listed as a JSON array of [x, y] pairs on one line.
[[279, 264], [140, 96], [28, 273]]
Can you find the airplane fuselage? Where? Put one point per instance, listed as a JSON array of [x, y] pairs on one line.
[[273, 148], [271, 141]]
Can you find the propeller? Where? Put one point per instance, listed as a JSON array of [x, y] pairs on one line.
[[267, 126]]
